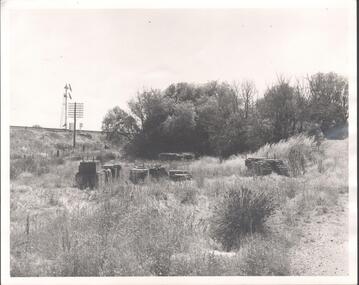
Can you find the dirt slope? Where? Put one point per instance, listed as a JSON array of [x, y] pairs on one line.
[[323, 246]]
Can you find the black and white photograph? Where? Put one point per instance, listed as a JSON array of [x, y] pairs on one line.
[[175, 143]]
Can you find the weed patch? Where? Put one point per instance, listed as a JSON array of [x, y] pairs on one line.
[[241, 212]]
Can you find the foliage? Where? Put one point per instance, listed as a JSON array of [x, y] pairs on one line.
[[241, 212], [279, 107], [223, 119], [117, 125], [328, 100]]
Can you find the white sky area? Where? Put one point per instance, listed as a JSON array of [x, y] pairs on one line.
[[108, 55]]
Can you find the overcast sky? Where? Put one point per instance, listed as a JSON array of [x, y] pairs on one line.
[[108, 55]]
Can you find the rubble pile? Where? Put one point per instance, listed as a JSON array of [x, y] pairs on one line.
[[265, 166]]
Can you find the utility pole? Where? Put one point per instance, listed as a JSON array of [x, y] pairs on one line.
[[75, 126], [66, 106], [67, 94], [76, 111]]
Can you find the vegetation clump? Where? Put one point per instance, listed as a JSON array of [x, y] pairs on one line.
[[241, 212]]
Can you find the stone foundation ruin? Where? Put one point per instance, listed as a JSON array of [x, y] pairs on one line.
[[265, 166]]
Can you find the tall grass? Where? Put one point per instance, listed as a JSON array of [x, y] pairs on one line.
[[209, 167], [167, 228], [98, 233], [297, 152]]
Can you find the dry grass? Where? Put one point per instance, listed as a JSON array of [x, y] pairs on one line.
[[163, 228], [39, 141], [265, 256], [209, 167]]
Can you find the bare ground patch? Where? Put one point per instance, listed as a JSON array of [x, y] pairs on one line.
[[323, 247]]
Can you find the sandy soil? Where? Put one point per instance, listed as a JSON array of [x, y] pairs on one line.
[[323, 247]]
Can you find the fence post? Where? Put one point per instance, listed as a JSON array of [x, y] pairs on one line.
[[27, 232]]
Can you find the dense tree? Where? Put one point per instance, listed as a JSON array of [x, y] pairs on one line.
[[222, 119], [301, 112], [181, 92], [278, 107], [179, 127], [149, 108], [245, 92], [328, 100], [216, 112], [119, 126]]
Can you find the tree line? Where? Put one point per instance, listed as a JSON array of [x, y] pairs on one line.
[[221, 119]]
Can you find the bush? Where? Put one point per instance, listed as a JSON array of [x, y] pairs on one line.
[[240, 212]]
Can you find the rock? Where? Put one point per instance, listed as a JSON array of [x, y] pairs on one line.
[[266, 166], [115, 169], [179, 175], [158, 171], [138, 174], [168, 156]]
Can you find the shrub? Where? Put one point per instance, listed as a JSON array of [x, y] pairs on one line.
[[240, 212]]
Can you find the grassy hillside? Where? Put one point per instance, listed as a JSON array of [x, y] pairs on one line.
[[35, 141], [223, 222], [34, 150]]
